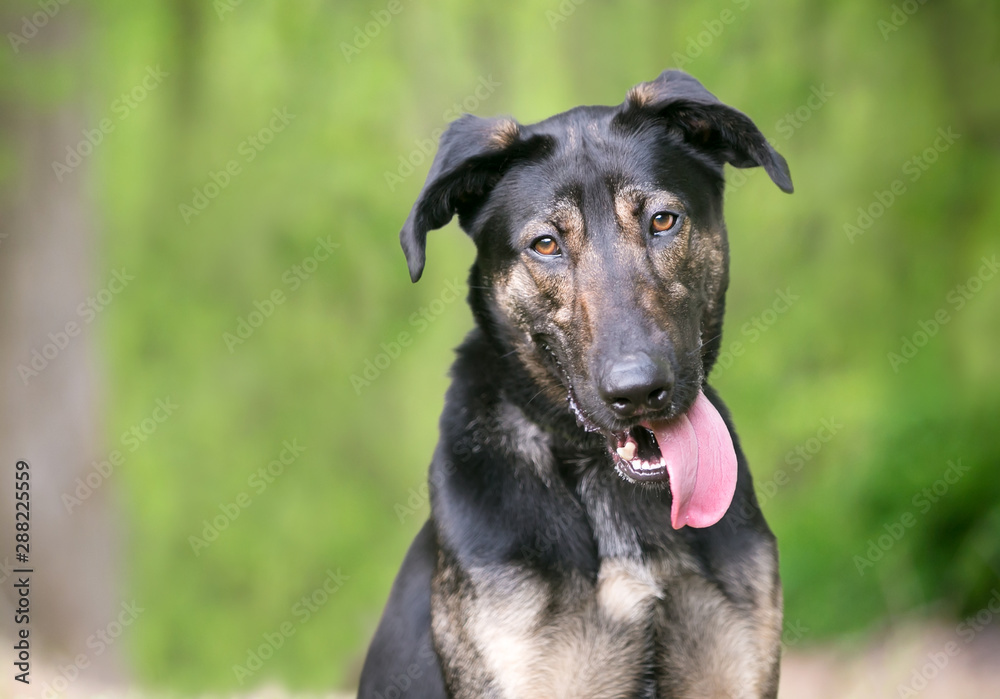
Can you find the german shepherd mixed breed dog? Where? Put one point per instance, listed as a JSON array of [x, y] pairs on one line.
[[593, 530]]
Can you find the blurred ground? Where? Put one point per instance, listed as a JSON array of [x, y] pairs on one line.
[[909, 662], [913, 660]]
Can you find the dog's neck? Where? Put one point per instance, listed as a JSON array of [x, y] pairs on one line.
[[500, 438]]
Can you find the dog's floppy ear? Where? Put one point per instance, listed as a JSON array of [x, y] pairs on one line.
[[472, 156], [707, 124]]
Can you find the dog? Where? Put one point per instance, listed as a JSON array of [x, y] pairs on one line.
[[593, 530]]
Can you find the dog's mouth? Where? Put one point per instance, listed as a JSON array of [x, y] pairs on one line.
[[692, 452], [638, 454]]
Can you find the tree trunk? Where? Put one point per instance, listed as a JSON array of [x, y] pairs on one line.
[[52, 418]]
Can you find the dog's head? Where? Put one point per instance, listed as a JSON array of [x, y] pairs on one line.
[[602, 255]]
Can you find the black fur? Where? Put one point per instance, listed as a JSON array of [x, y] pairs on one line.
[[523, 485]]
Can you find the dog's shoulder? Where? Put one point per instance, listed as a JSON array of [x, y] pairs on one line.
[[402, 653]]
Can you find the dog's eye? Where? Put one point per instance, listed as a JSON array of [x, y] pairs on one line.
[[546, 246], [662, 222]]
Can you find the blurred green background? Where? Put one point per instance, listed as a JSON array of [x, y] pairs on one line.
[[827, 284]]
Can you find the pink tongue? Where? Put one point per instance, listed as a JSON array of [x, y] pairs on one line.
[[701, 462]]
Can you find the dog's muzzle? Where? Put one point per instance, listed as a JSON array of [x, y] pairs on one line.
[[693, 452]]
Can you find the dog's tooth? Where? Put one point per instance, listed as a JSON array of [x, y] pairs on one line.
[[627, 452]]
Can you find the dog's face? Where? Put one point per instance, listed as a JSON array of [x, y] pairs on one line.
[[602, 254], [607, 263]]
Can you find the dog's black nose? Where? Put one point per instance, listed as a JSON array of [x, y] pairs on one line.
[[636, 385]]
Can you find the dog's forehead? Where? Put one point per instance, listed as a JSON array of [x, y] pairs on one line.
[[596, 172], [581, 159], [593, 158], [590, 147], [577, 129]]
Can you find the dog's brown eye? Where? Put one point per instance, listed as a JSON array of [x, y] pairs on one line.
[[662, 222], [546, 245]]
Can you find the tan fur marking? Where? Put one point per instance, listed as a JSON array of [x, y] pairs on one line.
[[522, 637], [572, 138], [626, 589], [580, 653], [762, 572], [504, 626], [569, 219], [640, 95], [716, 649], [626, 203], [505, 133], [514, 292], [563, 316], [726, 661], [521, 290]]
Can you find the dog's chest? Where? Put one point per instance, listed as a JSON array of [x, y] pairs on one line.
[[642, 630], [647, 626]]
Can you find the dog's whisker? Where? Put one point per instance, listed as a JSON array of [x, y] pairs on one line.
[[540, 392]]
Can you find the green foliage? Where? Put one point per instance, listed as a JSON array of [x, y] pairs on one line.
[[341, 170]]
